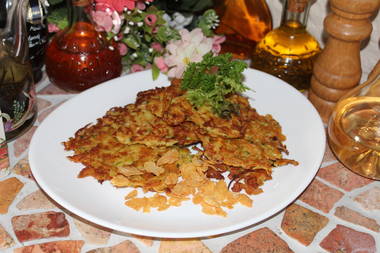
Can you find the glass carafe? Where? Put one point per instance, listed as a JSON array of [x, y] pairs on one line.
[[289, 51], [80, 57], [244, 23], [17, 91], [354, 128]]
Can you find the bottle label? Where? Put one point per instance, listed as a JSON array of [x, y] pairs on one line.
[[4, 159], [37, 39], [37, 30]]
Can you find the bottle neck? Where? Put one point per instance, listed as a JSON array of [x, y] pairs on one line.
[[295, 12], [78, 11], [14, 36]]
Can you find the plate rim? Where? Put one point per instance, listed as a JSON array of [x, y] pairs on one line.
[[211, 232]]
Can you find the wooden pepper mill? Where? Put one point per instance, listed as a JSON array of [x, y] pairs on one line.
[[338, 68]]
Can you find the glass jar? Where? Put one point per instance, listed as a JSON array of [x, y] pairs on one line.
[[79, 57], [17, 90], [244, 23], [354, 128], [289, 51]]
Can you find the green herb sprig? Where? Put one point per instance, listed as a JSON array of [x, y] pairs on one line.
[[210, 81]]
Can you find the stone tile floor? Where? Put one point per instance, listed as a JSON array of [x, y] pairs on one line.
[[338, 212]]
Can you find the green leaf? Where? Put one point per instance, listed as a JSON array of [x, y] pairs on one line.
[[131, 41], [155, 72], [207, 22], [212, 80], [58, 17]]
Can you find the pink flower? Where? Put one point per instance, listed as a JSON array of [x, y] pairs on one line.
[[190, 48], [106, 18], [123, 49], [52, 28], [102, 20], [150, 19], [155, 29], [119, 5], [216, 41], [136, 68], [160, 63], [140, 5], [157, 46]]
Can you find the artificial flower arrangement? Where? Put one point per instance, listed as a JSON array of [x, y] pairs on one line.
[[146, 40], [148, 37]]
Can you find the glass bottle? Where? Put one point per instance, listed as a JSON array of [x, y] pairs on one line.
[[79, 57], [17, 90], [37, 29], [354, 129], [244, 23], [288, 52]]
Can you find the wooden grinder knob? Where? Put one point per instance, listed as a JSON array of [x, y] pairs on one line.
[[338, 68]]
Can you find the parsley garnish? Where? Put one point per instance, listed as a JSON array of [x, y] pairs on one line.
[[210, 81]]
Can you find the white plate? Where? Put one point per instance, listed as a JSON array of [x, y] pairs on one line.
[[104, 205]]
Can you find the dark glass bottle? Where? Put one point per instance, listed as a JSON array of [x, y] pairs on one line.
[[17, 90], [288, 52], [79, 57], [37, 29], [244, 23]]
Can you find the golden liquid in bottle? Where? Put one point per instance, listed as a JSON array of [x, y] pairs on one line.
[[288, 53], [244, 23], [354, 135]]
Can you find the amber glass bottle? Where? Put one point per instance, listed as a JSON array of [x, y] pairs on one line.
[[244, 23], [289, 51], [79, 57]]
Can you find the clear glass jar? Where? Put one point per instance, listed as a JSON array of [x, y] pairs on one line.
[[354, 128]]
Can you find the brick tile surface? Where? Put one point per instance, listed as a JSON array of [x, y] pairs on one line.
[[370, 199], [69, 246], [329, 155], [262, 240], [182, 246], [22, 168], [348, 240], [302, 224], [91, 233], [148, 241], [342, 177], [321, 196], [21, 144], [35, 200], [52, 90], [9, 188], [352, 216], [125, 246], [6, 240], [42, 104], [40, 225]]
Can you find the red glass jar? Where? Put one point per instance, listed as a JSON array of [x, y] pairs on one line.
[[79, 57]]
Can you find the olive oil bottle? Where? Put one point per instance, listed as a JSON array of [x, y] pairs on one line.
[[288, 52]]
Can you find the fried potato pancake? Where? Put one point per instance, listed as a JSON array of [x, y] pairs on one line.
[[146, 145]]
